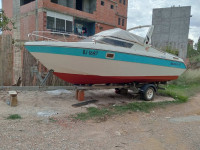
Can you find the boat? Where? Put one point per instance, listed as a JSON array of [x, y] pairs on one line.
[[112, 56]]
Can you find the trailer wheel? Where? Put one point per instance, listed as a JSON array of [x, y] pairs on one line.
[[149, 94]]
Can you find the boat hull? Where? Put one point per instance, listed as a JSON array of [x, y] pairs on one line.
[[75, 66], [94, 79]]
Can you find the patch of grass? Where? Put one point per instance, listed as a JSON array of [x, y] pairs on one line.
[[51, 119], [114, 110], [181, 90], [195, 59], [94, 112], [14, 117], [188, 78], [184, 87], [181, 93]]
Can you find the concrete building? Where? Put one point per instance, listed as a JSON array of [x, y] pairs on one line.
[[76, 16], [171, 28]]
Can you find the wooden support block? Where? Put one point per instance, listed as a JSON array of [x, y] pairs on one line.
[[13, 98], [81, 95], [77, 94]]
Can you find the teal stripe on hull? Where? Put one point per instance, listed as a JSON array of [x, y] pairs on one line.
[[102, 55]]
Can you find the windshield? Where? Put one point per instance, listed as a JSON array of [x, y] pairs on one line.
[[116, 42]]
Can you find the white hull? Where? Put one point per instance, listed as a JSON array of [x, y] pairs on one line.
[[102, 67]]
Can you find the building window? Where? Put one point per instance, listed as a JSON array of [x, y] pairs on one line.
[[24, 2], [124, 2], [120, 1], [79, 5], [57, 24], [60, 24], [119, 21], [122, 22], [54, 1], [68, 26], [102, 3], [111, 7], [50, 23], [66, 3]]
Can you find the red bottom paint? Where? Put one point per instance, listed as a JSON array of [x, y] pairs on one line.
[[93, 79]]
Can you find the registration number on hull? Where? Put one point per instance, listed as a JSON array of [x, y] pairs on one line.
[[90, 52]]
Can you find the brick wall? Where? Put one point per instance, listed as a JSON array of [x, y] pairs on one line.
[[104, 17], [7, 7]]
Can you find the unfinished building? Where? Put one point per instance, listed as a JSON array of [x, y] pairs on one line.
[[171, 28], [72, 16], [82, 17]]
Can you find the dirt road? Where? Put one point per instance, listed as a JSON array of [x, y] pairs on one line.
[[173, 128]]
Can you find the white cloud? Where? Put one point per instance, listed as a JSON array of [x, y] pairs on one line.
[[140, 13]]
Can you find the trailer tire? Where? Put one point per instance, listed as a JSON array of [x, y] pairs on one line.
[[149, 94]]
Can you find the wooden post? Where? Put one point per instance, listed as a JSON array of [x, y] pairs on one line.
[[13, 98]]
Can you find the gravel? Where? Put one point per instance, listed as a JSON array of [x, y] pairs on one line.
[[161, 129]]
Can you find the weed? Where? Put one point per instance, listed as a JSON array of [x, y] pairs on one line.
[[52, 120], [14, 117], [181, 89], [94, 112]]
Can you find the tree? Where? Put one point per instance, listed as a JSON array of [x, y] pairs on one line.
[[198, 45], [191, 52], [5, 22]]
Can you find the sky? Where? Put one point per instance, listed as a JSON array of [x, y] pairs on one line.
[[140, 13]]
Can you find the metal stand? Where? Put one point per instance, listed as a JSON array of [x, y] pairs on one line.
[[46, 77]]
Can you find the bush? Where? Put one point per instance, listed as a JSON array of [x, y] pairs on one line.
[[189, 77], [168, 49]]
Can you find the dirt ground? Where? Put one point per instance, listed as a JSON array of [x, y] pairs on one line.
[[173, 128]]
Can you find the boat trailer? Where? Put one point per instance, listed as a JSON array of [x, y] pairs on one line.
[[146, 90]]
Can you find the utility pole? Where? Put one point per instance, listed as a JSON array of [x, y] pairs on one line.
[[36, 17], [1, 65]]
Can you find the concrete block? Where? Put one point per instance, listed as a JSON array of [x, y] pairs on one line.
[[13, 98]]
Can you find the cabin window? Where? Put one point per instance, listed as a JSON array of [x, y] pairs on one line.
[[110, 55], [117, 43]]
